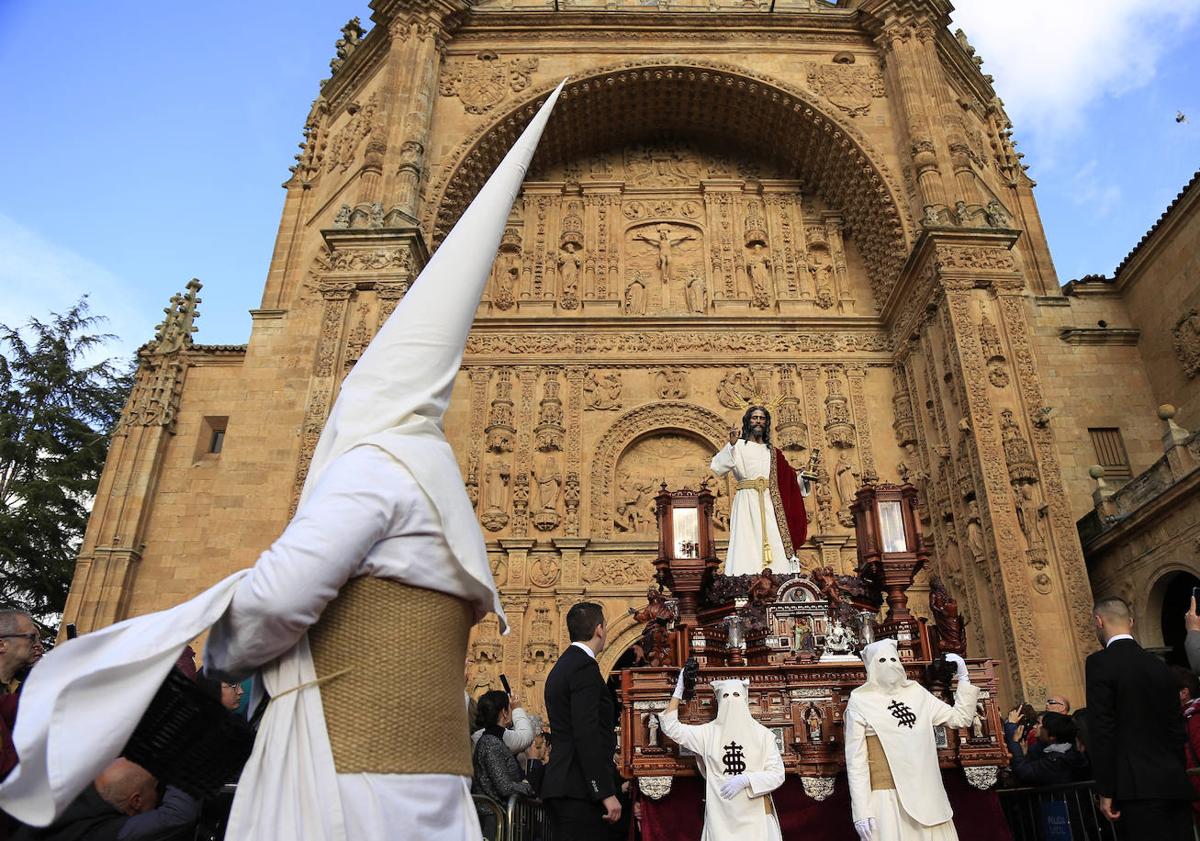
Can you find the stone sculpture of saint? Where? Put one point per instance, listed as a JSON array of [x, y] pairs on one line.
[[696, 293], [547, 477], [569, 266], [635, 296], [758, 267], [847, 481], [497, 472]]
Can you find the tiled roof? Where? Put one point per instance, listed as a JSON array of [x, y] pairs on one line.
[[1195, 180]]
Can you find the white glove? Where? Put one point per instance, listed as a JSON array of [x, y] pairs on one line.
[[865, 829], [678, 693], [961, 667], [733, 785]]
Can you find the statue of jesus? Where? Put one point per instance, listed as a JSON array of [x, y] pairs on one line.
[[768, 523]]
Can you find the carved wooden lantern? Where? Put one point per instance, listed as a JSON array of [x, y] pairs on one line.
[[687, 554], [890, 548]]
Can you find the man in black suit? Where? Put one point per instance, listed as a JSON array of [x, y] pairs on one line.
[[578, 786], [1136, 733]]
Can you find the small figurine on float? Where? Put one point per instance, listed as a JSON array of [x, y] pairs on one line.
[[739, 760], [896, 791]]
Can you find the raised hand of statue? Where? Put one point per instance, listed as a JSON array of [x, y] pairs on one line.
[[734, 435]]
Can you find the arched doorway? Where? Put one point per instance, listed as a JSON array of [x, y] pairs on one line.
[[1174, 592], [712, 104]]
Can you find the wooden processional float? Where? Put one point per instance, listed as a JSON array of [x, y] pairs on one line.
[[795, 636]]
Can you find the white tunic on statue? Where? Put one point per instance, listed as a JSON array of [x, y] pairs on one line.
[[749, 460]]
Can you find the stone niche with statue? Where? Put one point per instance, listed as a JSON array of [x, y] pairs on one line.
[[796, 637]]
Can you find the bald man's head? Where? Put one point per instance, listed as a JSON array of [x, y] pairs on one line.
[[1112, 616], [127, 787]]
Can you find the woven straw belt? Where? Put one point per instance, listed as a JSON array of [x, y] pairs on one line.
[[393, 698], [881, 772]]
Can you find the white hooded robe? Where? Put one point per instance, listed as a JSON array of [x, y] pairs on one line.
[[384, 497], [903, 714], [734, 736]]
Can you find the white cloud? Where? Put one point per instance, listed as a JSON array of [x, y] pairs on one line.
[[38, 277], [1052, 58], [1089, 190]]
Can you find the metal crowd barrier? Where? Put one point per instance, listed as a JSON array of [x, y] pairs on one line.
[[493, 822], [1051, 813], [1059, 813], [527, 820]]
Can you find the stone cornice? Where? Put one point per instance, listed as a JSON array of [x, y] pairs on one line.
[[943, 256], [490, 23], [1099, 335]]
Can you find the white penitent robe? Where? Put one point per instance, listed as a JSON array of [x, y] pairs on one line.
[[917, 809], [750, 814], [750, 460], [365, 516]]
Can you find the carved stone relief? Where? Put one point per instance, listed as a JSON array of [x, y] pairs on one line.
[[661, 418], [1186, 333], [663, 456], [344, 146], [671, 383], [839, 430], [848, 86], [602, 392], [993, 353], [483, 82]]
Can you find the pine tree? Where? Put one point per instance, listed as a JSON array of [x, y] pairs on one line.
[[57, 411]]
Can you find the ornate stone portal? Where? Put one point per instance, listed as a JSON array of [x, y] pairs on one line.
[[818, 214]]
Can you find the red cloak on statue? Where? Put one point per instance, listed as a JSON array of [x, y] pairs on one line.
[[789, 504]]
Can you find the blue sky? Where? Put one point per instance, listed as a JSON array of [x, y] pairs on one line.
[[146, 142]]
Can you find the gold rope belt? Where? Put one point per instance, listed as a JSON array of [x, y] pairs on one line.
[[389, 661], [762, 485], [881, 772]]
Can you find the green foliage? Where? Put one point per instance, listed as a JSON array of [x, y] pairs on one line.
[[57, 411]]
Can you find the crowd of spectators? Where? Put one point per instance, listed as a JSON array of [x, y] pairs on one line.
[[125, 802], [1133, 742]]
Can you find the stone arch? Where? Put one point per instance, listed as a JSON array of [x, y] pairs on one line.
[[719, 103], [1148, 616], [675, 415], [622, 633]]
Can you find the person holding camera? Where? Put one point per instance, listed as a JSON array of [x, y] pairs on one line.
[[1056, 763], [497, 772], [519, 733]]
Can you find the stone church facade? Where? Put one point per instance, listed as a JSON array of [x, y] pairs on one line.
[[819, 204]]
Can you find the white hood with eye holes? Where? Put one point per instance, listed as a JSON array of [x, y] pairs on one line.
[[885, 670], [730, 745]]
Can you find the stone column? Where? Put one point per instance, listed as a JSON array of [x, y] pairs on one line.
[[901, 30], [112, 546], [417, 35], [1004, 460]]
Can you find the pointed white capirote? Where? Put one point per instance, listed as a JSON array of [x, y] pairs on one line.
[[397, 393], [402, 383]]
